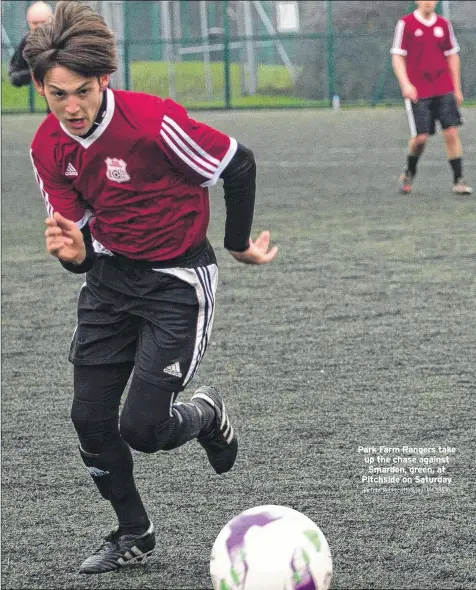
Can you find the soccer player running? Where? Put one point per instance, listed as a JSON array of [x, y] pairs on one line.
[[125, 178], [427, 65]]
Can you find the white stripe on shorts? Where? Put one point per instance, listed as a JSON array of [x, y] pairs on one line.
[[411, 117], [205, 281]]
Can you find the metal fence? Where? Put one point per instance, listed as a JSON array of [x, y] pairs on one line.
[[239, 54]]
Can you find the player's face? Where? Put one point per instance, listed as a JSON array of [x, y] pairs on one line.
[[426, 7], [73, 99], [36, 22], [38, 15]]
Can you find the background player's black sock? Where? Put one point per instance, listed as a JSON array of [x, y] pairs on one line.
[[457, 167], [411, 166]]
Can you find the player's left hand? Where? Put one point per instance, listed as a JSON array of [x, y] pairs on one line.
[[459, 97], [257, 252], [64, 239]]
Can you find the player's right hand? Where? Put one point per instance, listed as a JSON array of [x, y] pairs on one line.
[[64, 239], [258, 252], [409, 91]]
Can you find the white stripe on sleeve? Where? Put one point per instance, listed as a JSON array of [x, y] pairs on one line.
[[186, 149], [224, 163], [398, 38], [39, 180], [46, 197], [180, 153], [453, 41], [190, 141], [193, 155]]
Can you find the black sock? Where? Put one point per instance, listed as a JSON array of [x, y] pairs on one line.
[[112, 473], [207, 415], [457, 167], [192, 419], [131, 515], [411, 166], [105, 453]]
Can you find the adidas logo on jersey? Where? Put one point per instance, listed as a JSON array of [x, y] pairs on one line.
[[174, 370], [71, 170]]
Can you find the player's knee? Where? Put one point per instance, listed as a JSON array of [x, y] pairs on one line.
[[81, 415], [93, 433], [146, 434], [450, 134], [420, 140]]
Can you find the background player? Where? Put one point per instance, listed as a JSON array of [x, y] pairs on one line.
[[37, 14], [125, 179], [427, 65]]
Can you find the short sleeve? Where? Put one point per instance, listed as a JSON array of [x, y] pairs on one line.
[[200, 152], [58, 195], [399, 46], [451, 44]]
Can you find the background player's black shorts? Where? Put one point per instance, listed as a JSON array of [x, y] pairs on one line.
[[423, 114], [160, 319]]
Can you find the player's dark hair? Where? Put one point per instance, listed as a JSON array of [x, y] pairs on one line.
[[77, 38]]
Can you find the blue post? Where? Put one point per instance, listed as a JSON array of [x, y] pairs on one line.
[[330, 52], [127, 70], [226, 55], [31, 97]]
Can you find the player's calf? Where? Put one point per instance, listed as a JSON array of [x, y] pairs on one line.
[[152, 421]]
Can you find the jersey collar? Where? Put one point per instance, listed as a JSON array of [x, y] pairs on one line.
[[86, 142], [427, 22]]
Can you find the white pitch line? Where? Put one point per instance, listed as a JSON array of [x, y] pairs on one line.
[[346, 164], [390, 150]]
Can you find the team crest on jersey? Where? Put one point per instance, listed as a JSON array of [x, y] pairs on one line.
[[418, 33], [438, 32], [117, 170]]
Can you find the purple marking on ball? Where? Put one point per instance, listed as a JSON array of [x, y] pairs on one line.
[[240, 527], [306, 581]]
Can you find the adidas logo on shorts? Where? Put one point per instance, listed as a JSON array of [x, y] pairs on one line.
[[174, 370]]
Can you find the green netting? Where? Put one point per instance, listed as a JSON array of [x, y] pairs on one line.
[[233, 54]]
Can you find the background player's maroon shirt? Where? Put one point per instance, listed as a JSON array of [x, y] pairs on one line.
[[141, 178], [426, 44]]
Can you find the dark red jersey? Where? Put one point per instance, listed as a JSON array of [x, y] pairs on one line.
[[141, 177], [426, 45]]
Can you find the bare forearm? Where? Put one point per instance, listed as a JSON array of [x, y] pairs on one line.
[[399, 65], [455, 70]]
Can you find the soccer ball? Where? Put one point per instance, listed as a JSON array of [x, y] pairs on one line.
[[271, 548]]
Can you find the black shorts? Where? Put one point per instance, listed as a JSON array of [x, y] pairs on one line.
[[160, 319], [423, 114]]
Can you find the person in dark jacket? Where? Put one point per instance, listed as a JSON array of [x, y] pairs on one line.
[[38, 14]]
